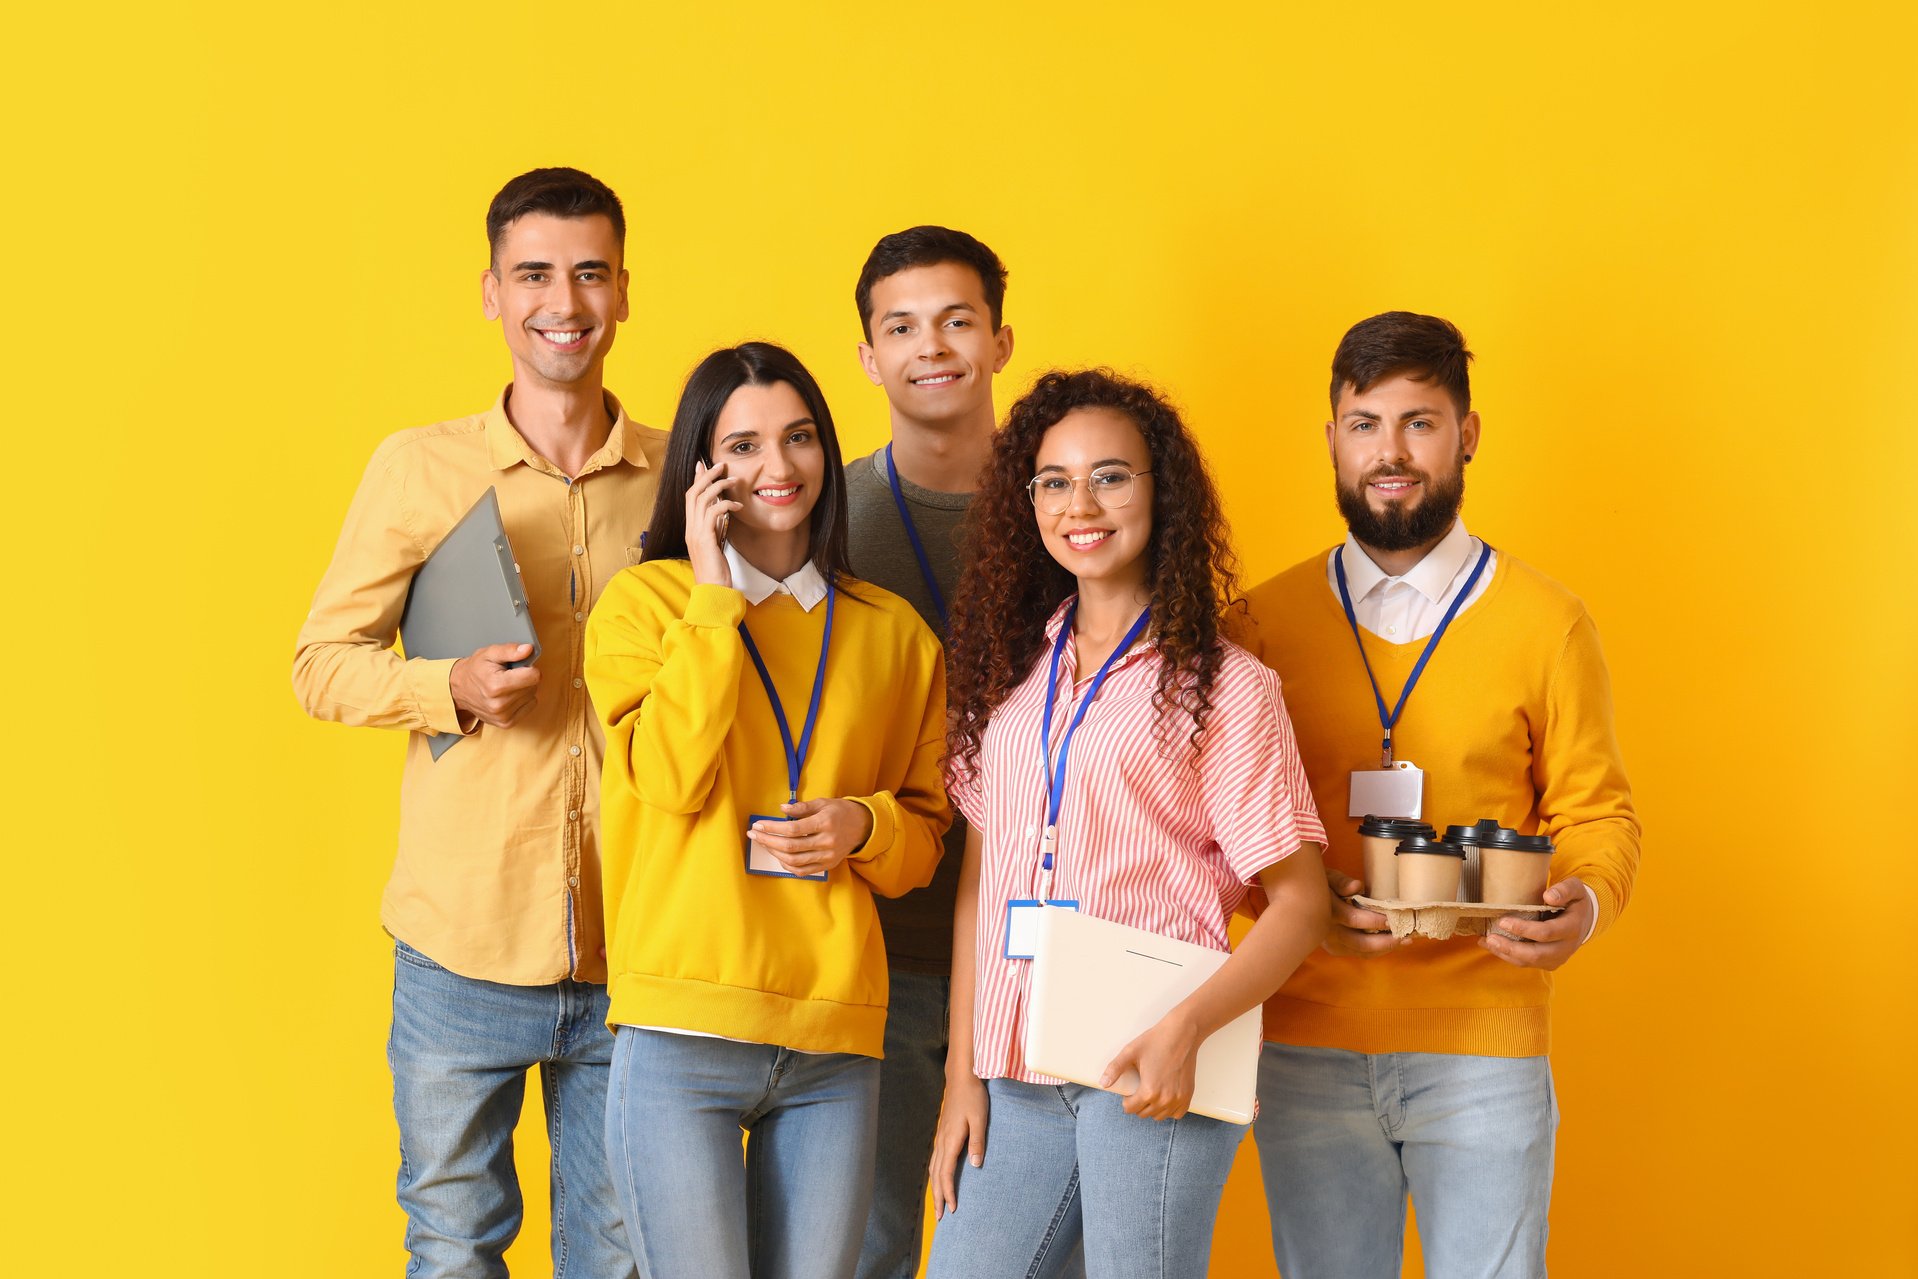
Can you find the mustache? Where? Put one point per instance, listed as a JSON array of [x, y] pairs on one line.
[[1394, 473]]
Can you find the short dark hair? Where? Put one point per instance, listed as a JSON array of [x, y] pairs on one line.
[[564, 193], [1422, 347], [700, 404], [930, 246]]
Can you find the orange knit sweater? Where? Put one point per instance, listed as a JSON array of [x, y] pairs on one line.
[[1511, 720]]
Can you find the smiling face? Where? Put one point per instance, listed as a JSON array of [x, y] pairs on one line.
[[558, 290], [770, 444], [1098, 545], [933, 347], [1398, 458]]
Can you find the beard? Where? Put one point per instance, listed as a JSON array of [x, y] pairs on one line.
[[1403, 526]]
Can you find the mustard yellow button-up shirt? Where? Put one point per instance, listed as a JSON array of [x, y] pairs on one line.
[[497, 872]]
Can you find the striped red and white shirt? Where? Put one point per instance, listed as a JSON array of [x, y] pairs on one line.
[[1147, 837]]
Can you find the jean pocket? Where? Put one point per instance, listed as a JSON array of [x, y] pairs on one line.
[[404, 952]]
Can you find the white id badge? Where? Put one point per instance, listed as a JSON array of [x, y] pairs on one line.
[[1398, 791], [1022, 924], [761, 862]]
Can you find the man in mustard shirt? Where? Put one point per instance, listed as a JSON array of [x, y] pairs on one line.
[[1429, 675], [493, 904]]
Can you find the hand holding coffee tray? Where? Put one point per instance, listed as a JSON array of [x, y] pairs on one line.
[[1441, 887]]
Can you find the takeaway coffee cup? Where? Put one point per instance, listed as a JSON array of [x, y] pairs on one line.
[[1429, 869], [1513, 868], [1472, 838], [1380, 836]]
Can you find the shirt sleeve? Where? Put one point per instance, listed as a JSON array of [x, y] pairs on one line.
[[966, 788], [1251, 779], [666, 694], [344, 666], [1584, 799]]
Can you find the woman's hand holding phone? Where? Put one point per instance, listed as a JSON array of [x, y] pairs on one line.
[[707, 507]]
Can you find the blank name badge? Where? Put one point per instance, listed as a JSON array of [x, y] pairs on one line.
[[1398, 791], [1022, 924]]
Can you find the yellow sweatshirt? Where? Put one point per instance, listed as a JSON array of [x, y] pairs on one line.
[[1511, 720], [692, 751]]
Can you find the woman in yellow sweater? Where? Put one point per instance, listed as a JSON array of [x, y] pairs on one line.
[[773, 735]]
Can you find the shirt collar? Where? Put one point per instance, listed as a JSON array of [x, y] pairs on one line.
[[506, 447], [807, 586], [1430, 577]]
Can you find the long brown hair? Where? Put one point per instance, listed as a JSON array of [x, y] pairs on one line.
[[1012, 585]]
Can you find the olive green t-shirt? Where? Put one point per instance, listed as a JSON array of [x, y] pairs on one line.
[[918, 926]]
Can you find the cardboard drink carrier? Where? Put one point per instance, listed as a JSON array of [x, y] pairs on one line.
[[1471, 861]]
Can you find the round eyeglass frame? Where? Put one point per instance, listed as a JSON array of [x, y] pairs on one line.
[[1032, 489]]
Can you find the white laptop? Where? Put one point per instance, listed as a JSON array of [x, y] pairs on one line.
[[1097, 986]]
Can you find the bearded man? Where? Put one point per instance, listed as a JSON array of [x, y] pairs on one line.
[[1417, 1066]]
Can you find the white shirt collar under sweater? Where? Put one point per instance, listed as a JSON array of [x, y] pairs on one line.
[[1409, 607], [807, 586]]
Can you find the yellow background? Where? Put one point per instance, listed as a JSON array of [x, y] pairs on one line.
[[243, 247]]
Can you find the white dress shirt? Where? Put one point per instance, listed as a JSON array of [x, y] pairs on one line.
[[1410, 607], [807, 586]]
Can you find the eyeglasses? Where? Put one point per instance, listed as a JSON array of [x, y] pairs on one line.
[[1110, 486]]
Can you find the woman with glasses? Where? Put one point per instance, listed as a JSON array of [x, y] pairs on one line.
[[1111, 749], [773, 735]]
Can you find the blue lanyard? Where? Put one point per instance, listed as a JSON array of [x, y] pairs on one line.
[[912, 535], [795, 755], [1390, 721], [1056, 773]]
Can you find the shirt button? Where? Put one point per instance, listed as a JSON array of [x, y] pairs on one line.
[[572, 750], [1391, 630], [577, 681], [579, 617], [579, 550], [572, 815], [573, 880]]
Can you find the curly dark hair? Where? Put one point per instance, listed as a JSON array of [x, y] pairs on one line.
[[1012, 584]]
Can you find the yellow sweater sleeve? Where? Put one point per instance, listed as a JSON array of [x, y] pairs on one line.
[[908, 821], [1584, 799], [665, 687]]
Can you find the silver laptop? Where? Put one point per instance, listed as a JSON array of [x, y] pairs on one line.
[[1097, 986], [468, 594]]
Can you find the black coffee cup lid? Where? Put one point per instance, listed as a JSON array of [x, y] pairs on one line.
[[1395, 828], [1512, 841], [1429, 847], [1481, 832]]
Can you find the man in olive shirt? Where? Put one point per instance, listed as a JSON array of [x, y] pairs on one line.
[[930, 302], [493, 905]]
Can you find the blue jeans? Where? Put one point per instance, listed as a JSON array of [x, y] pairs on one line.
[[1065, 1166], [792, 1208], [912, 1083], [1344, 1136], [460, 1050]]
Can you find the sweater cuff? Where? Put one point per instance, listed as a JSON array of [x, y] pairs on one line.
[[884, 829], [1604, 907], [716, 606], [430, 681]]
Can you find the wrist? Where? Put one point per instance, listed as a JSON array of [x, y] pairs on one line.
[[1184, 1023]]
